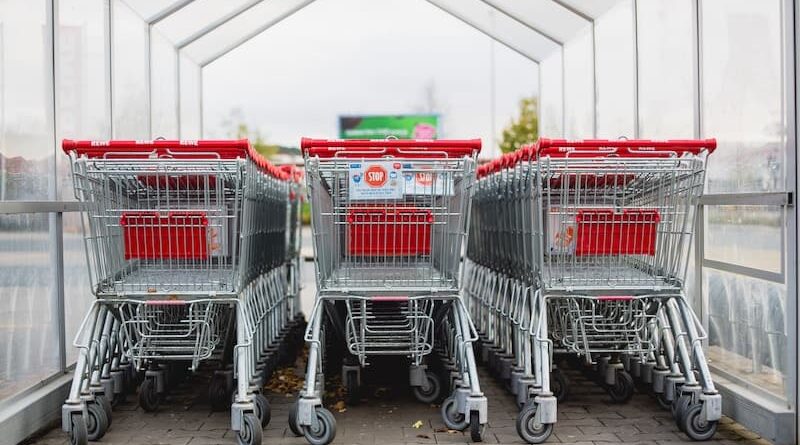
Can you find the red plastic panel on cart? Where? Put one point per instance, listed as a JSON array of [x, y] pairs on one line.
[[381, 231], [179, 235], [605, 232]]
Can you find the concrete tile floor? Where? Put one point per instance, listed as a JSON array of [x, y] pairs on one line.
[[387, 414]]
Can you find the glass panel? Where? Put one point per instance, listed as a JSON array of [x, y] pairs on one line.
[[551, 97], [82, 83], [26, 137], [191, 84], [27, 330], [195, 16], [745, 235], [131, 109], [164, 82], [666, 67], [578, 87], [546, 16], [747, 328], [615, 72], [77, 289], [743, 94]]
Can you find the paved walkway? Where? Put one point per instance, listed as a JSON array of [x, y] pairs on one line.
[[388, 413]]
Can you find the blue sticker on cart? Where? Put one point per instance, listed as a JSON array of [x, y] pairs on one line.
[[375, 180]]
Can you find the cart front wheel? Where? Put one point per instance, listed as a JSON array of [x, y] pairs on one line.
[[263, 410], [559, 385], [622, 389], [452, 418], [323, 430], [475, 427], [695, 425], [78, 434], [529, 428], [431, 391], [352, 388], [250, 434], [148, 397], [97, 422], [293, 426]]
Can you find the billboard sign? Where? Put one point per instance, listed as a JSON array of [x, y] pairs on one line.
[[407, 126]]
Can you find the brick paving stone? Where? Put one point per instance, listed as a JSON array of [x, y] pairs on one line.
[[587, 418]]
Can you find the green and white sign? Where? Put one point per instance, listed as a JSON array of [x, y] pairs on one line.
[[408, 126]]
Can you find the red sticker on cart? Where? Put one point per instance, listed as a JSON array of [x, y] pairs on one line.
[[374, 180], [376, 176]]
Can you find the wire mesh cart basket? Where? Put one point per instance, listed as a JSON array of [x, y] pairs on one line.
[[190, 250], [389, 220], [579, 250]]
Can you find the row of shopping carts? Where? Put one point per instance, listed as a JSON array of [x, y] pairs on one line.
[[579, 250], [389, 221], [192, 249]]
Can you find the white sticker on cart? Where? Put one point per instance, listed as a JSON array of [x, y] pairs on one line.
[[424, 179], [375, 180]]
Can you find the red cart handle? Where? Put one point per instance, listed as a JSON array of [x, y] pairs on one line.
[[374, 148], [201, 149], [632, 147]]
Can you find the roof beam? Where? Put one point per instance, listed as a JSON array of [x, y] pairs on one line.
[[168, 12], [238, 42], [522, 22], [217, 23], [488, 33], [574, 10]]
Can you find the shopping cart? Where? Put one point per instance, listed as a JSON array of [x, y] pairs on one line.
[[188, 245], [389, 218], [580, 248]]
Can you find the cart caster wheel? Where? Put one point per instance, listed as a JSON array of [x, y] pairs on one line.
[[148, 397], [97, 421], [453, 419], [431, 392], [662, 401], [323, 431], [695, 426], [559, 385], [679, 407], [78, 435], [293, 426], [351, 379], [250, 434], [119, 398], [528, 428], [263, 410], [475, 427], [622, 390], [219, 394], [106, 405]]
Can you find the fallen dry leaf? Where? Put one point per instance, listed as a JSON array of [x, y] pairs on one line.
[[340, 406], [423, 436], [417, 424]]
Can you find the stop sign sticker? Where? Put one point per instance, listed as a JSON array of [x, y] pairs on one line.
[[376, 176]]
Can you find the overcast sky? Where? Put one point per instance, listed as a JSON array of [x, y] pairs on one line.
[[365, 57]]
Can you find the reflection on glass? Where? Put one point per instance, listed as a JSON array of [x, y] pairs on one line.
[[743, 94], [747, 328], [26, 147], [27, 332], [745, 235]]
